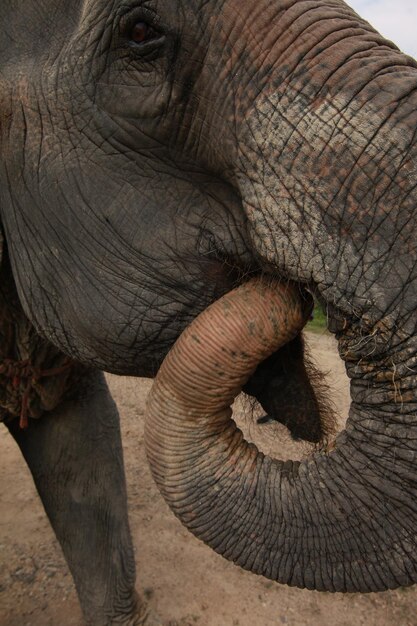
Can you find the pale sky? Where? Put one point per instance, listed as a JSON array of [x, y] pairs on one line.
[[395, 19]]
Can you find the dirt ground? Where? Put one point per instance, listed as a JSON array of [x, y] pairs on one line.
[[186, 582]]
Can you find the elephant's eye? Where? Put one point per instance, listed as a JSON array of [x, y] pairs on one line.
[[142, 32]]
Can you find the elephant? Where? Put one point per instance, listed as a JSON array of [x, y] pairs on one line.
[[156, 157]]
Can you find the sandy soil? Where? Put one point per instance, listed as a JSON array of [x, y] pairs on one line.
[[185, 581]]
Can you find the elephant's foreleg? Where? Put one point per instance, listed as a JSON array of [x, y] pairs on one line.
[[75, 456]]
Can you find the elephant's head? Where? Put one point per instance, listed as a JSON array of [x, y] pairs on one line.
[[154, 154]]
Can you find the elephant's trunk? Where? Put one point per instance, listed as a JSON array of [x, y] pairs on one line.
[[344, 520]]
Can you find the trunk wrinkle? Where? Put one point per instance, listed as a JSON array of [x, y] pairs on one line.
[[342, 520]]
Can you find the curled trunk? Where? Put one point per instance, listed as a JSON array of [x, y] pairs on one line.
[[344, 520]]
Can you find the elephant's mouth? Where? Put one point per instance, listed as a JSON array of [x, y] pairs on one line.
[[291, 391]]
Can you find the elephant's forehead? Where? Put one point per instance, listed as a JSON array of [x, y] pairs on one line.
[[29, 28]]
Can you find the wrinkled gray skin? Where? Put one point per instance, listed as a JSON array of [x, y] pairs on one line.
[[141, 180]]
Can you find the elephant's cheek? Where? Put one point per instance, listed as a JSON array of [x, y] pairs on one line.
[[140, 103]]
